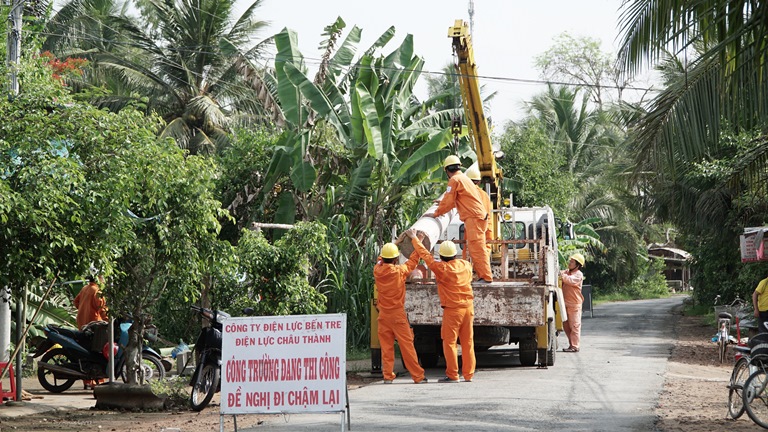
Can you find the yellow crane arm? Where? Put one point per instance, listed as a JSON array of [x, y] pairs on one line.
[[479, 132]]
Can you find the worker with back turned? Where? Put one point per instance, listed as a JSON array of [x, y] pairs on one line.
[[392, 321], [454, 287], [463, 195]]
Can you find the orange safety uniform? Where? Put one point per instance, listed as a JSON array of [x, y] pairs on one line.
[[572, 281], [90, 305], [489, 209], [454, 287], [392, 322], [465, 197]]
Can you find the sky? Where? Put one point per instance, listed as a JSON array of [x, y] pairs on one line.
[[508, 34]]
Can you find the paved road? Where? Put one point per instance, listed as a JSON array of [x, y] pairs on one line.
[[611, 385]]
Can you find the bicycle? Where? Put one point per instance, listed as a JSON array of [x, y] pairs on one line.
[[741, 372], [754, 391]]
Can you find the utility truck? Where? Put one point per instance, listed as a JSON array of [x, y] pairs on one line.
[[523, 305]]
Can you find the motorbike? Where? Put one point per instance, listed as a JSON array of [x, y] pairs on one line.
[[206, 379], [69, 355]]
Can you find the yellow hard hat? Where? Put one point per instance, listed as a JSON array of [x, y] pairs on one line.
[[389, 250], [451, 160], [473, 173], [447, 249], [579, 258]]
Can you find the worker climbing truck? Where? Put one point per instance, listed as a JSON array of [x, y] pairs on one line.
[[523, 305]]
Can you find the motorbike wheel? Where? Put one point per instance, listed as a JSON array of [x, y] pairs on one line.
[[204, 387], [47, 378], [151, 367]]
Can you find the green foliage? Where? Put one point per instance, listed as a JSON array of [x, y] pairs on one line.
[[718, 270], [175, 389], [348, 281], [537, 163], [276, 275], [242, 175], [648, 283], [87, 186], [193, 62], [356, 143]]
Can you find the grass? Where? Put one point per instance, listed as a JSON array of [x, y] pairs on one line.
[[358, 353], [613, 297]]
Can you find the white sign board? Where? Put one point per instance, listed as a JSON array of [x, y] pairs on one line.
[[284, 364]]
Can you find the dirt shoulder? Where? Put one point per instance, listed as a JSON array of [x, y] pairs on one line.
[[72, 411], [695, 395]]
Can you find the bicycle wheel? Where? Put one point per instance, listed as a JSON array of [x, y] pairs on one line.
[[738, 377], [755, 397]]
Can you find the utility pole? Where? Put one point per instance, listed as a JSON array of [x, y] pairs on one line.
[[14, 43], [472, 18]]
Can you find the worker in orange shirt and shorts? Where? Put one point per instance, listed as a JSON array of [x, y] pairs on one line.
[[572, 279], [465, 197], [393, 322], [454, 287]]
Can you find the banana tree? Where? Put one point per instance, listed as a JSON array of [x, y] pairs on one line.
[[357, 140]]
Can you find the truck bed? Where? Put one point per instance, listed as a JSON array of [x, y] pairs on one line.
[[508, 304]]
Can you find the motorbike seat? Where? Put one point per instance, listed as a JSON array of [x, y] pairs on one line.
[[80, 337], [66, 331]]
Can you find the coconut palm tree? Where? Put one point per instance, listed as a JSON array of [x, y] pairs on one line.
[[193, 61], [716, 51]]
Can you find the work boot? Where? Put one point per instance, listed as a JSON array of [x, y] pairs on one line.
[[424, 381]]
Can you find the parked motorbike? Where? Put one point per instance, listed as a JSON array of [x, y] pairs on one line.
[[69, 355], [206, 379]]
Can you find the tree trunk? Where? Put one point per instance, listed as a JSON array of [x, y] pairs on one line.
[[133, 352]]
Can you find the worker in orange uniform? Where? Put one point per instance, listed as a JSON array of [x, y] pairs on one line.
[[572, 279], [91, 306], [465, 197], [392, 322], [454, 287], [474, 174]]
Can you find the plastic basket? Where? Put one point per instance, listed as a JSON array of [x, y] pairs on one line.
[[724, 308]]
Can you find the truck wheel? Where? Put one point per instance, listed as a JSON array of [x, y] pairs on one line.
[[527, 352], [552, 346]]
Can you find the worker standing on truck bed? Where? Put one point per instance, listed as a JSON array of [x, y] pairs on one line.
[[474, 174], [392, 321], [572, 279], [465, 197], [454, 287]]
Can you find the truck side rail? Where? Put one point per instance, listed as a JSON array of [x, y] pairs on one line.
[[512, 261]]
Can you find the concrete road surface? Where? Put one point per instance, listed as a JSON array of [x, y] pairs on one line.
[[611, 385]]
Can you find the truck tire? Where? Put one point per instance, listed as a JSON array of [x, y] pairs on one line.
[[527, 351], [488, 336], [552, 345]]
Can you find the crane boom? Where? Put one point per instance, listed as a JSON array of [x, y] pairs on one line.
[[479, 132]]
